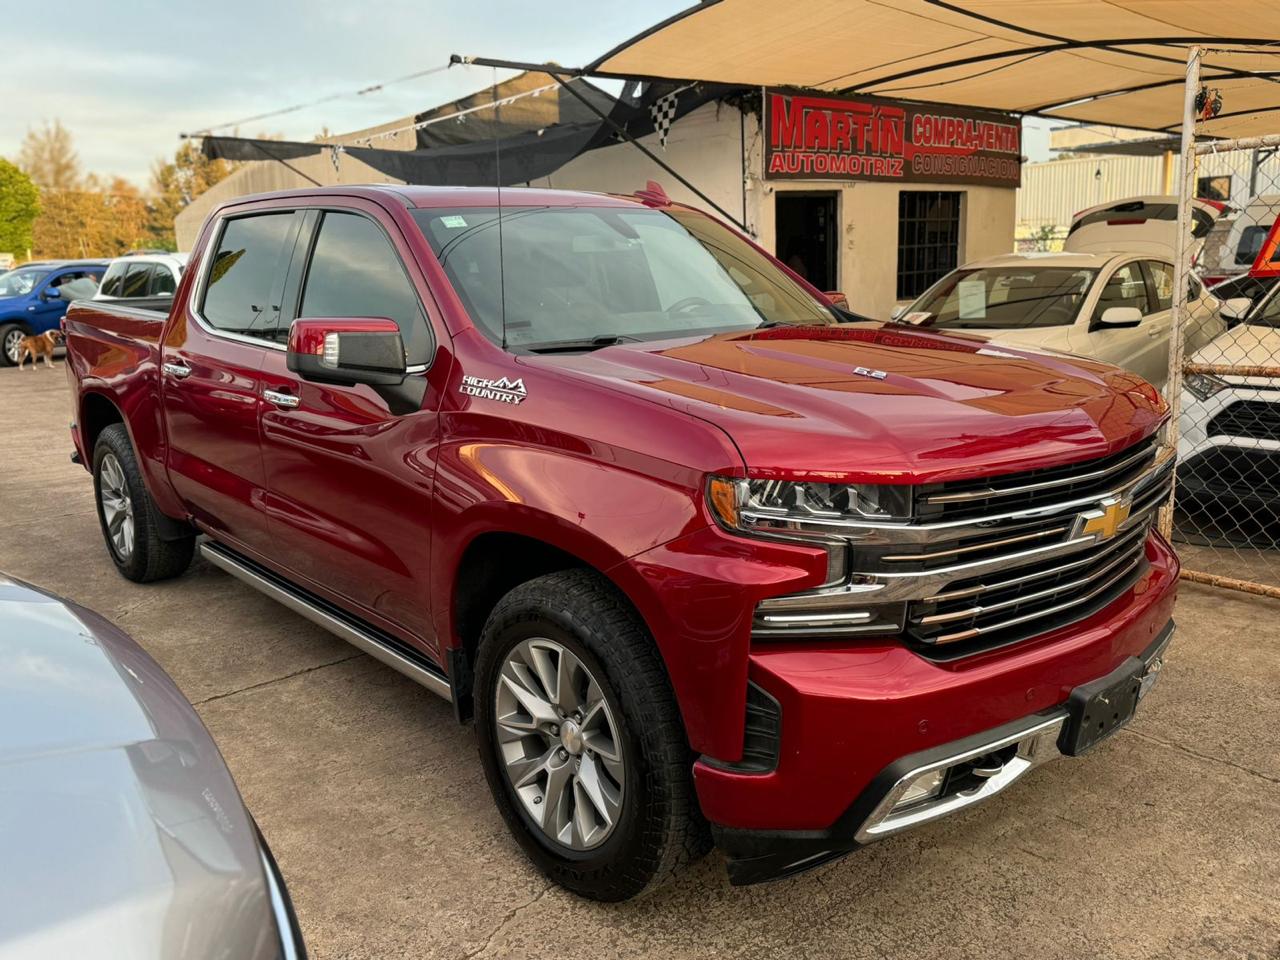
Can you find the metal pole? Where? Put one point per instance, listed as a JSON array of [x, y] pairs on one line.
[[1181, 268]]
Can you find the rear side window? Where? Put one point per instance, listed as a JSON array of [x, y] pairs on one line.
[[162, 282], [1250, 245], [247, 274], [136, 280], [113, 282], [355, 272]]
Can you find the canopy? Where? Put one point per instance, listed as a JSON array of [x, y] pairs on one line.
[[1119, 62]]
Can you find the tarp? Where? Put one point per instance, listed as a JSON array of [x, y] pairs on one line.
[[1119, 62]]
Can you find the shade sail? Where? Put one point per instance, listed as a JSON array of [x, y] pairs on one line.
[[1108, 61]]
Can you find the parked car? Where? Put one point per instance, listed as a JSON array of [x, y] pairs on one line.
[[1108, 306], [1229, 428], [32, 300], [684, 545], [1233, 245], [142, 275], [1139, 225], [123, 833]]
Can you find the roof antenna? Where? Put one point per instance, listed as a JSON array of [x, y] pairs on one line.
[[497, 164]]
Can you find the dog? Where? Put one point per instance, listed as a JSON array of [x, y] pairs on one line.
[[38, 346]]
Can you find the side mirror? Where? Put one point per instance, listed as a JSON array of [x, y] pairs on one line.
[[1235, 308], [347, 350], [1120, 317], [50, 293], [837, 299]]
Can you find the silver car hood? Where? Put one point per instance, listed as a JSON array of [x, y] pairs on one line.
[[123, 834]]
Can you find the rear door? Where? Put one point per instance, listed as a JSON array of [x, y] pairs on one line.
[[212, 387], [350, 484]]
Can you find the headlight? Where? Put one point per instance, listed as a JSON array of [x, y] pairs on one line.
[[1204, 385], [784, 506]]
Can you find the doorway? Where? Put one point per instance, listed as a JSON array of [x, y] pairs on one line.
[[805, 236]]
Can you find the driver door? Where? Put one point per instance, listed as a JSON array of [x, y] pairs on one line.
[[1142, 348]]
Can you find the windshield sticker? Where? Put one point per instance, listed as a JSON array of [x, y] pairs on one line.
[[973, 299], [503, 390], [453, 221]]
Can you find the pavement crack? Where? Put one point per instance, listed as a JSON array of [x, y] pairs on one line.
[[506, 922], [267, 683], [1205, 756]]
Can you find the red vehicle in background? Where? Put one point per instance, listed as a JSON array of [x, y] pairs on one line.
[[689, 546]]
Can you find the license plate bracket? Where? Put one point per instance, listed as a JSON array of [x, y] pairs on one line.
[[1098, 709]]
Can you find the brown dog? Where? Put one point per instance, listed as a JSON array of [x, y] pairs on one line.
[[38, 346]]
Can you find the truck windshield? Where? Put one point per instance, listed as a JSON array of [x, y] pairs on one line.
[[18, 283], [589, 276], [1004, 298]]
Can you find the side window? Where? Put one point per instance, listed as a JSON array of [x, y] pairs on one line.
[[113, 282], [162, 282], [1125, 288], [355, 272], [1161, 284], [136, 280], [247, 274]]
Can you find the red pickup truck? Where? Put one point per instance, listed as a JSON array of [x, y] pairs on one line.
[[702, 556]]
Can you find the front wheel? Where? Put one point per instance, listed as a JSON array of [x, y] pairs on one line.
[[128, 517], [10, 344], [581, 740]]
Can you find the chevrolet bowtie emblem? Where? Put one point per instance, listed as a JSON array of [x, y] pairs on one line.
[[1104, 521]]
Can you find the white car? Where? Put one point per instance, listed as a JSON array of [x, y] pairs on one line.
[[1106, 306], [142, 275], [1229, 427], [1139, 225]]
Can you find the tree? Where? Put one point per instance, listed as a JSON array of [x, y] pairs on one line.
[[19, 206], [176, 183], [49, 157]]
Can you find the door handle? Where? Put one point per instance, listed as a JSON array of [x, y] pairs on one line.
[[285, 401], [179, 371]]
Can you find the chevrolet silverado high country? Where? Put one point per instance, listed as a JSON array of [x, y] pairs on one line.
[[703, 560]]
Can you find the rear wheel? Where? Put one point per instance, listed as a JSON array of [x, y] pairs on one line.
[[581, 740], [129, 519], [10, 342]]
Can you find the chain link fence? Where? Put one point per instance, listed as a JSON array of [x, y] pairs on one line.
[[1224, 376]]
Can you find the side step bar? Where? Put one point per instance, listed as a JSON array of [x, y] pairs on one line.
[[377, 643]]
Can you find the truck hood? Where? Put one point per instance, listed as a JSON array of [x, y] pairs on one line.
[[1245, 345], [883, 402]]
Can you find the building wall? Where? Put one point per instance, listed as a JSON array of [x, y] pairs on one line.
[[706, 147]]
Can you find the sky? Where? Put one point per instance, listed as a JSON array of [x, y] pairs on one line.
[[126, 93]]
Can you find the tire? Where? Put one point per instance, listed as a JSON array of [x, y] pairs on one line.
[[128, 517], [10, 335], [657, 828]]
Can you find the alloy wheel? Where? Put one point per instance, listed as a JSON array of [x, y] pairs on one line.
[[117, 506], [559, 743], [12, 344]]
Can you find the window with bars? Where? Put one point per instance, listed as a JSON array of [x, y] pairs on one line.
[[928, 239]]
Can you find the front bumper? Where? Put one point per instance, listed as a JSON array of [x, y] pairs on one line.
[[970, 771]]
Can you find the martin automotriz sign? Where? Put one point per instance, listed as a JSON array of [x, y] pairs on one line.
[[818, 137]]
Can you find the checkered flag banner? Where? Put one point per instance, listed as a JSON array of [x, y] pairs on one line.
[[663, 112]]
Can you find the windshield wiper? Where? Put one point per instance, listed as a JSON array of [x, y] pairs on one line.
[[590, 343]]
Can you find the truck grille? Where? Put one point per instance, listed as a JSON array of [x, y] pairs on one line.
[[1254, 419], [1027, 597], [965, 499]]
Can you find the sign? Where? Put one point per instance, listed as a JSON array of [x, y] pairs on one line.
[[821, 137]]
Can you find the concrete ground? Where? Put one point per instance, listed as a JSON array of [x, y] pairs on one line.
[[1163, 843]]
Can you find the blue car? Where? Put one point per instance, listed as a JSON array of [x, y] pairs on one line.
[[34, 297]]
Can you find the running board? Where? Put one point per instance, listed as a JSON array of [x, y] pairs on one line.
[[376, 643]]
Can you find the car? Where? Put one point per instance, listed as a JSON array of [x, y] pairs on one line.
[[1233, 245], [1140, 225], [32, 299], [123, 832], [1229, 425], [1108, 306], [142, 275], [701, 559]]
